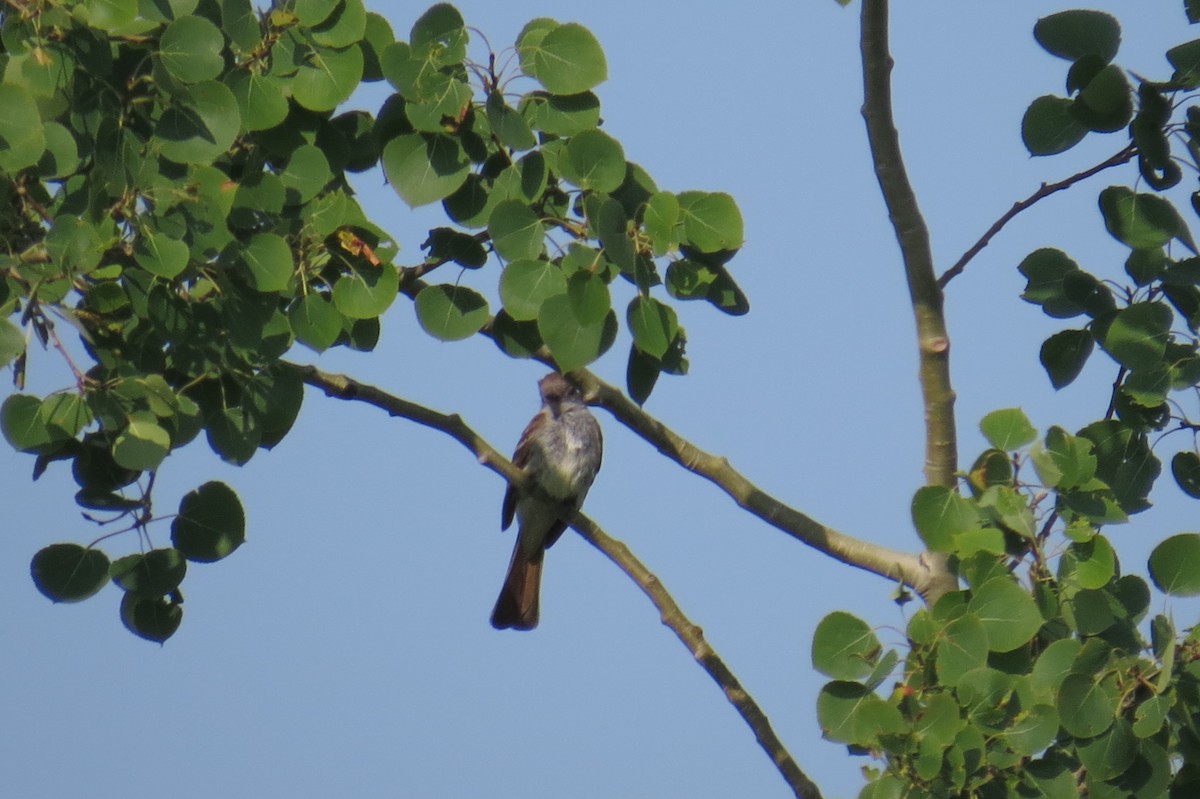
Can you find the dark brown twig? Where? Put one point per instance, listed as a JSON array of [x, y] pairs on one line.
[[1044, 191]]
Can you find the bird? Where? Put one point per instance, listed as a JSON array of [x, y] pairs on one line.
[[560, 452]]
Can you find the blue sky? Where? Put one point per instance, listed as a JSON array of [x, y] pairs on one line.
[[345, 648]]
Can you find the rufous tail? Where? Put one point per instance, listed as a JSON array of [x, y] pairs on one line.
[[517, 607]]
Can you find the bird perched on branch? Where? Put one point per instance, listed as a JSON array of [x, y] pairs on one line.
[[560, 452]]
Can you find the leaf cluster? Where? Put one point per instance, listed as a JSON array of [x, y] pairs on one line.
[[175, 188], [1036, 679], [551, 196]]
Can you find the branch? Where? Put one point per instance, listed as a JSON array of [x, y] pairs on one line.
[[345, 388], [1046, 189], [892, 564], [913, 237], [904, 567], [693, 638], [933, 342]]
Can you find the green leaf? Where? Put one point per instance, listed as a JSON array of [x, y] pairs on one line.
[[526, 180], [1049, 127], [315, 321], [1142, 221], [1150, 715], [1109, 755], [1032, 731], [711, 221], [1087, 706], [1007, 611], [448, 244], [1095, 562], [1052, 667], [525, 284], [516, 231], [573, 343], [211, 523], [74, 245], [962, 649], [1008, 429], [306, 174], [1047, 271], [1064, 461], [661, 221], [652, 324], [560, 115], [269, 260], [1105, 104], [260, 99], [234, 434], [62, 152], [65, 414], [1175, 565], [451, 313], [241, 24], [153, 574], [850, 713], [202, 125], [1075, 34], [689, 280], [22, 136], [141, 446], [440, 36], [566, 60], [423, 169], [345, 27], [515, 339], [641, 375], [68, 572], [612, 229], [161, 255], [12, 343], [274, 397], [508, 125], [589, 295], [153, 618], [190, 49], [1185, 467], [1137, 336], [939, 514], [313, 12], [110, 16], [327, 78], [1186, 60], [593, 161], [844, 647], [24, 426], [1064, 354], [366, 292]]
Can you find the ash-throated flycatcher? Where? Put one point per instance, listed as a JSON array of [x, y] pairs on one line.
[[560, 450]]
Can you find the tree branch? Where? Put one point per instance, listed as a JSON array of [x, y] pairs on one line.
[[913, 237], [904, 567], [693, 638], [345, 388], [1046, 189], [933, 342]]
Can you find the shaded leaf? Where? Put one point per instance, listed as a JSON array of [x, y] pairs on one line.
[[211, 523], [69, 572]]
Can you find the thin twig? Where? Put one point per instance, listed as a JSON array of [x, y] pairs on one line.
[[1046, 189], [346, 388]]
